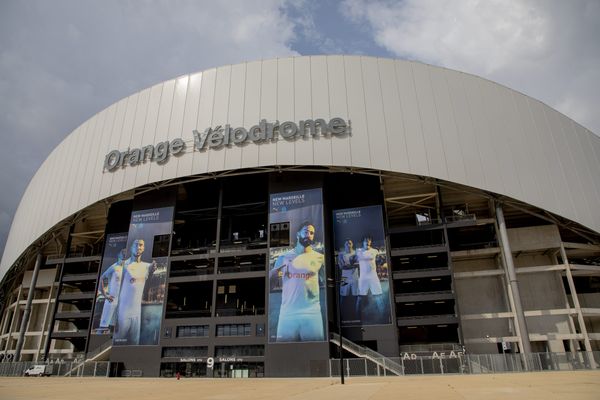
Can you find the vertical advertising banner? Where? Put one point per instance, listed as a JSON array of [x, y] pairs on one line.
[[142, 293], [297, 281], [109, 284], [361, 259]]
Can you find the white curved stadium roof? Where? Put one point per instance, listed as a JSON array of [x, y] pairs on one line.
[[406, 117]]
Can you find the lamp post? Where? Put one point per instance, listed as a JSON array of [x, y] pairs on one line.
[[337, 284]]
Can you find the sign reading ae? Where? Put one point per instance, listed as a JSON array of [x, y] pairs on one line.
[[225, 136]]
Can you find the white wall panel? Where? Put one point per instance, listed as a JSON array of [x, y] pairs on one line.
[[378, 143], [581, 166], [190, 117], [114, 132], [92, 166], [285, 108], [235, 114], [162, 126], [303, 147], [537, 160], [320, 107], [594, 146], [553, 165], [436, 159], [485, 144], [267, 152], [359, 141], [415, 143], [89, 154], [39, 188], [175, 124], [125, 141], [568, 165], [406, 117], [216, 159], [149, 133], [61, 183], [338, 107], [76, 173], [392, 114], [205, 112], [497, 116], [252, 98], [467, 137], [448, 133], [137, 135], [589, 165], [521, 146]]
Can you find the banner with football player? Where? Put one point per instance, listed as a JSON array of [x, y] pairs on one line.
[[361, 260], [139, 303], [297, 281], [109, 284]]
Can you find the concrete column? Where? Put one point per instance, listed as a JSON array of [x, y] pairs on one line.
[[586, 338], [513, 284], [36, 270]]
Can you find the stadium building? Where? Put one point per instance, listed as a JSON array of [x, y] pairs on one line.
[[209, 224]]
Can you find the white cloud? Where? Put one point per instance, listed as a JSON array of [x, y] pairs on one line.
[[62, 61], [546, 49]]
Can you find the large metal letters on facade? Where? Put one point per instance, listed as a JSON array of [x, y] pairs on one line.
[[225, 136]]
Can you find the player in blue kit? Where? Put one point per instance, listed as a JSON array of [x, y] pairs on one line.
[[300, 317]]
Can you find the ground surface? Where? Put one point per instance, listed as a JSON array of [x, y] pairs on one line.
[[544, 385]]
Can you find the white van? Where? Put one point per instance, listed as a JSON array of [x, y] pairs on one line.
[[38, 370]]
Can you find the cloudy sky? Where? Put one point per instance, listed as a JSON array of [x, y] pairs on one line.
[[62, 61]]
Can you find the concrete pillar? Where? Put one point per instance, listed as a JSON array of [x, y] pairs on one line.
[[36, 270], [586, 338], [513, 284]]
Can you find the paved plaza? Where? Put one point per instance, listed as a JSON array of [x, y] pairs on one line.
[[531, 386]]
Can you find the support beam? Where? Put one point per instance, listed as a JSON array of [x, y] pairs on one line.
[[27, 312], [512, 281], [582, 328]]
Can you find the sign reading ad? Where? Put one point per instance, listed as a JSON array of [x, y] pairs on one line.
[[361, 257], [297, 298], [109, 284], [142, 292]]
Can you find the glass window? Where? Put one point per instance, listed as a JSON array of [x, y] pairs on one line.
[[192, 330], [234, 330]]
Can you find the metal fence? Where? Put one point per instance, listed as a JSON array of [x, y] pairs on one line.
[[470, 364], [66, 368], [410, 365]]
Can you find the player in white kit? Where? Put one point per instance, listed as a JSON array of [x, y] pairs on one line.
[[349, 285], [300, 317], [129, 313], [368, 281], [109, 287]]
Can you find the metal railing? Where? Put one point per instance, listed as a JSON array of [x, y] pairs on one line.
[[471, 364], [388, 365], [65, 368]]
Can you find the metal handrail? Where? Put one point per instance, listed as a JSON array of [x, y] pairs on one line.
[[369, 354]]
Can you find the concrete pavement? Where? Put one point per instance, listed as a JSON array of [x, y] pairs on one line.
[[531, 386]]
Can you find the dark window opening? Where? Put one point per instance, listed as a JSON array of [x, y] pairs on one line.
[[192, 267], [189, 299], [248, 263], [240, 297], [240, 351], [192, 351]]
